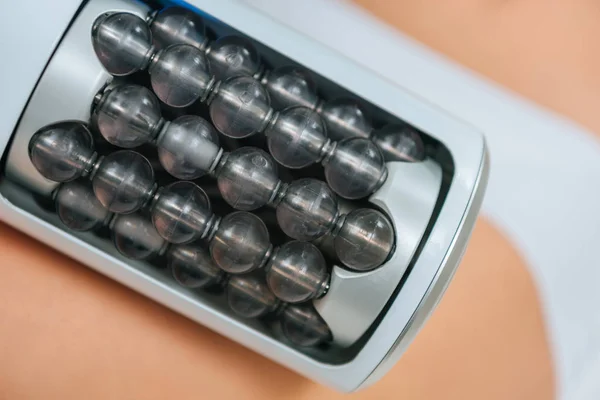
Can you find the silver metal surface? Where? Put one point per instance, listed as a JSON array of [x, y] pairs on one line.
[[355, 299], [440, 281]]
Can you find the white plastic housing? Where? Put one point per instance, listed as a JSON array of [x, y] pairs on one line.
[[73, 76]]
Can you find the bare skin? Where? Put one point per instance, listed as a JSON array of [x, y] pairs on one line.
[[67, 332]]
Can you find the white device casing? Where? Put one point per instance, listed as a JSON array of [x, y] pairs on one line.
[[421, 289]]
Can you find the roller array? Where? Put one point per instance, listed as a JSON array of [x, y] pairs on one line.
[[135, 237], [244, 98]]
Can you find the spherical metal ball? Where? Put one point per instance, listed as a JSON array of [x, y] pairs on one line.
[[356, 169], [399, 143], [124, 181], [128, 116], [248, 178], [303, 326], [231, 56], [188, 147], [193, 268], [181, 212], [63, 151], [135, 237], [297, 137], [291, 86], [365, 240], [297, 272], [346, 119], [179, 75], [240, 108], [249, 297], [78, 208], [241, 243], [122, 42], [308, 210], [178, 25]]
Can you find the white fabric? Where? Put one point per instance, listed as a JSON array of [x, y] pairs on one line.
[[544, 190]]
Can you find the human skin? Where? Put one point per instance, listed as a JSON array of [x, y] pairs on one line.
[[67, 332]]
